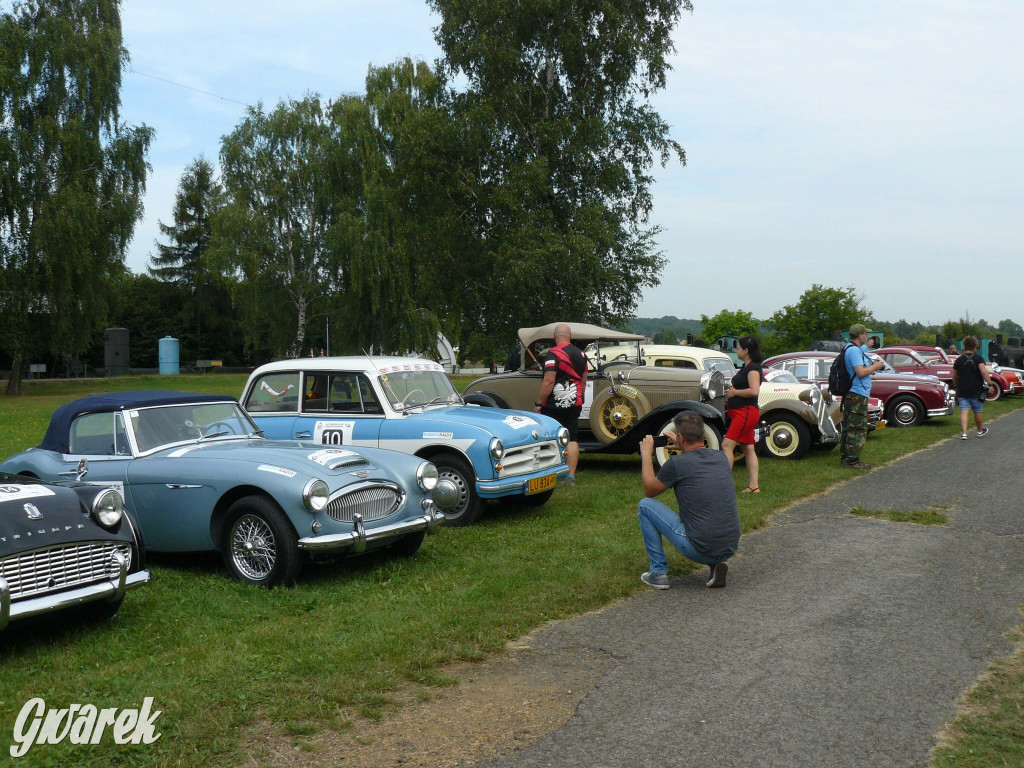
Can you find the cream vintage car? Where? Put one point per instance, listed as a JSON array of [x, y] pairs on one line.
[[794, 415], [624, 399]]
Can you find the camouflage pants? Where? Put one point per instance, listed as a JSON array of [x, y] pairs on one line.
[[855, 427]]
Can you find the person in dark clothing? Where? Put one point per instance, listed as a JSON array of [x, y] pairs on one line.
[[741, 405], [707, 527], [562, 389], [972, 383]]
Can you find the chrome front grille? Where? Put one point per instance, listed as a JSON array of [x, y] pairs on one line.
[[372, 501], [58, 568], [530, 458]]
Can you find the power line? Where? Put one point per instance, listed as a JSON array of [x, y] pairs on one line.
[[188, 87]]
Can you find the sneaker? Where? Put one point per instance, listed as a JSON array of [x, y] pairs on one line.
[[982, 432], [656, 580], [717, 579], [569, 481], [963, 435]]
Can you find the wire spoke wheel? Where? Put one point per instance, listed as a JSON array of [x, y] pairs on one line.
[[253, 547]]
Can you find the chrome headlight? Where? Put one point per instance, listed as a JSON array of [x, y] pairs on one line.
[[712, 384], [563, 436], [315, 494], [497, 449], [811, 396], [108, 508], [426, 476]]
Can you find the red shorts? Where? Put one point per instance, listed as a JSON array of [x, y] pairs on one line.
[[742, 422]]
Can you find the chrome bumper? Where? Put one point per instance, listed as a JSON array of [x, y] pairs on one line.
[[490, 489], [829, 433], [356, 540], [111, 591], [941, 411]]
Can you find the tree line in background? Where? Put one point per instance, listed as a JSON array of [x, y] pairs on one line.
[[819, 313], [414, 207]]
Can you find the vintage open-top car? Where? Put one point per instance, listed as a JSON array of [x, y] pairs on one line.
[[624, 399], [64, 545], [197, 474], [409, 405], [907, 399]]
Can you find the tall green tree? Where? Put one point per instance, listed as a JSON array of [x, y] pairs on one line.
[[562, 138], [398, 180], [272, 233], [71, 174], [729, 323], [205, 320], [818, 314]]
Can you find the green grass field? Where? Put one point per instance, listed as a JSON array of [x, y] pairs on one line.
[[221, 659]]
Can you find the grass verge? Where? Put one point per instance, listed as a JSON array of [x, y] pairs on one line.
[[221, 659], [918, 516]]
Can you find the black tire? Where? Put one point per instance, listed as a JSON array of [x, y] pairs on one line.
[[259, 545], [536, 499], [905, 411], [469, 506], [786, 437], [486, 399], [105, 610], [407, 546], [994, 393], [712, 439]]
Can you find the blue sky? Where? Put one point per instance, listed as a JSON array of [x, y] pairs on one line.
[[874, 145]]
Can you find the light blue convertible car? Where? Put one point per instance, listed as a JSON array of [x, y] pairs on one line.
[[409, 405], [198, 475]]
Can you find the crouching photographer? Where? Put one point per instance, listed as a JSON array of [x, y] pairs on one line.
[[707, 527]]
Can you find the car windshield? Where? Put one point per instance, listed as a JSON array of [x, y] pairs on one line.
[[721, 364], [408, 389], [162, 426], [777, 376], [601, 353]]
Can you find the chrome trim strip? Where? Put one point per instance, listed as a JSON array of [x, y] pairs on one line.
[[106, 590], [180, 486], [357, 540]]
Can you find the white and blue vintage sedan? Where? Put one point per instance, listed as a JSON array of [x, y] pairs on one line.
[[197, 474], [409, 405]]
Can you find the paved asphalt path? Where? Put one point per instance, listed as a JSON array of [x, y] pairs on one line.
[[839, 641]]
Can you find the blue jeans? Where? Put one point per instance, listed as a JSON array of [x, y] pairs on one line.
[[974, 403], [657, 520]]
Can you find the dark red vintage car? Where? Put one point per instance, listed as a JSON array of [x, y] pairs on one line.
[[907, 399], [1007, 381]]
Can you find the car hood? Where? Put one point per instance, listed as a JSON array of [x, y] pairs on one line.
[[293, 455], [34, 516], [513, 427]]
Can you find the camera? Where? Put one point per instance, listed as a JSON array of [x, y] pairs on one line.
[[661, 441]]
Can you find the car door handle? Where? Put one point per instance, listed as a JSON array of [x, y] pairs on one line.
[[302, 435]]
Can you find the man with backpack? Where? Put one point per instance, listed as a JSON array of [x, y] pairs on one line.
[[972, 383], [859, 367]]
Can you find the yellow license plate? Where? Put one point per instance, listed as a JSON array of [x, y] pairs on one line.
[[539, 484], [881, 424]]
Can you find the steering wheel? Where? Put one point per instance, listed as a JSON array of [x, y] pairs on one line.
[[210, 431], [405, 400]]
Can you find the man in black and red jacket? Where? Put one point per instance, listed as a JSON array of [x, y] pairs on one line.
[[561, 391]]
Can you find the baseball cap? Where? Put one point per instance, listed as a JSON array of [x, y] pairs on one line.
[[857, 329]]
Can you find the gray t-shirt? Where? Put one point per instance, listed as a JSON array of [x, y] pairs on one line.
[[704, 489]]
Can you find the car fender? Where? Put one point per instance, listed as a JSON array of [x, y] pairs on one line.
[[797, 407], [657, 417]]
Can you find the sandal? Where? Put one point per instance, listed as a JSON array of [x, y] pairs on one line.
[[748, 489]]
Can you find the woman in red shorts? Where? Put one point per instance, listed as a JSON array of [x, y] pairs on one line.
[[741, 405]]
